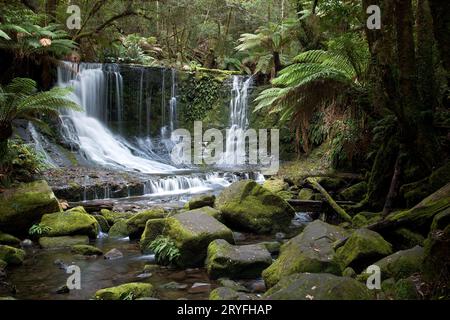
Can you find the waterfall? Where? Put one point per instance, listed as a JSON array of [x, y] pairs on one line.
[[39, 141], [235, 145], [91, 83]]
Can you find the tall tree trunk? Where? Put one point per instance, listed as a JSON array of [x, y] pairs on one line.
[[277, 63], [50, 9]]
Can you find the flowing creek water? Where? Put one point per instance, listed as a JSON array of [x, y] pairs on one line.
[[98, 136]]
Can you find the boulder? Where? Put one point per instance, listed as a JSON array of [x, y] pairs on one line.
[[119, 229], [11, 255], [86, 250], [8, 239], [129, 291], [209, 211], [318, 286], [153, 228], [247, 205], [401, 264], [362, 249], [331, 184], [306, 194], [201, 201], [225, 282], [62, 242], [136, 224], [237, 262], [102, 222], [112, 217], [75, 221], [355, 193], [225, 293], [23, 206], [406, 289], [311, 251], [113, 254], [278, 187]]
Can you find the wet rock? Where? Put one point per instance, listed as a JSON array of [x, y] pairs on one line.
[[200, 287], [362, 249], [225, 293], [129, 291], [136, 224], [103, 223], [23, 206], [248, 205], [8, 239], [257, 286], [75, 221], [224, 282], [62, 242], [119, 229], [11, 255], [148, 268], [144, 275], [311, 251], [318, 286], [26, 243], [113, 254], [237, 236], [60, 264], [86, 250], [401, 264], [153, 228], [201, 201], [63, 290], [241, 262], [174, 286], [280, 236]]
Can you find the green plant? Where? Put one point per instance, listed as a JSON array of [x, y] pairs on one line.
[[39, 230], [165, 250], [127, 296]]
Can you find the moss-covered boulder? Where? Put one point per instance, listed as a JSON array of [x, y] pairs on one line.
[[201, 201], [236, 262], [406, 289], [362, 249], [23, 206], [404, 238], [354, 193], [306, 194], [8, 239], [225, 293], [75, 221], [102, 222], [210, 212], [11, 255], [62, 242], [364, 219], [401, 264], [86, 250], [318, 286], [247, 205], [279, 187], [112, 217], [119, 229], [136, 224], [311, 251], [331, 184], [153, 228], [129, 291]]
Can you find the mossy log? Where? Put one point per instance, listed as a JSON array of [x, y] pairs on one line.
[[313, 182]]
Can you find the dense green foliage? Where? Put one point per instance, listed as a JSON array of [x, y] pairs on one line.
[[165, 250]]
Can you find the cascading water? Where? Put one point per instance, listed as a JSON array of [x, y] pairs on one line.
[[95, 141]]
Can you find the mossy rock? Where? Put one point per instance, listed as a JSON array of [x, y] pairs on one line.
[[404, 238], [272, 246], [311, 251], [192, 233], [225, 282], [349, 272], [62, 242], [276, 185], [362, 249], [23, 206], [318, 286], [86, 250], [331, 184], [201, 201], [136, 224], [405, 289], [11, 255], [8, 239], [112, 217], [236, 262], [401, 264], [102, 222], [306, 194], [225, 293], [153, 228], [129, 291], [247, 205], [209, 211], [388, 288], [119, 229], [355, 193], [75, 221]]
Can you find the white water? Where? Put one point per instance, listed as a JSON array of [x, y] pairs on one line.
[[95, 141]]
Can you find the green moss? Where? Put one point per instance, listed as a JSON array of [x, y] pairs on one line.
[[86, 250], [200, 202], [113, 217], [75, 221], [8, 239], [331, 184], [401, 264], [119, 229], [250, 206], [224, 293], [102, 222], [405, 289], [349, 272], [11, 255], [306, 194], [62, 242], [153, 228], [23, 206], [129, 291], [355, 193], [275, 185], [405, 238], [136, 224]]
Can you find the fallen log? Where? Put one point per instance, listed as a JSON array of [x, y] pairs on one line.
[[313, 182]]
